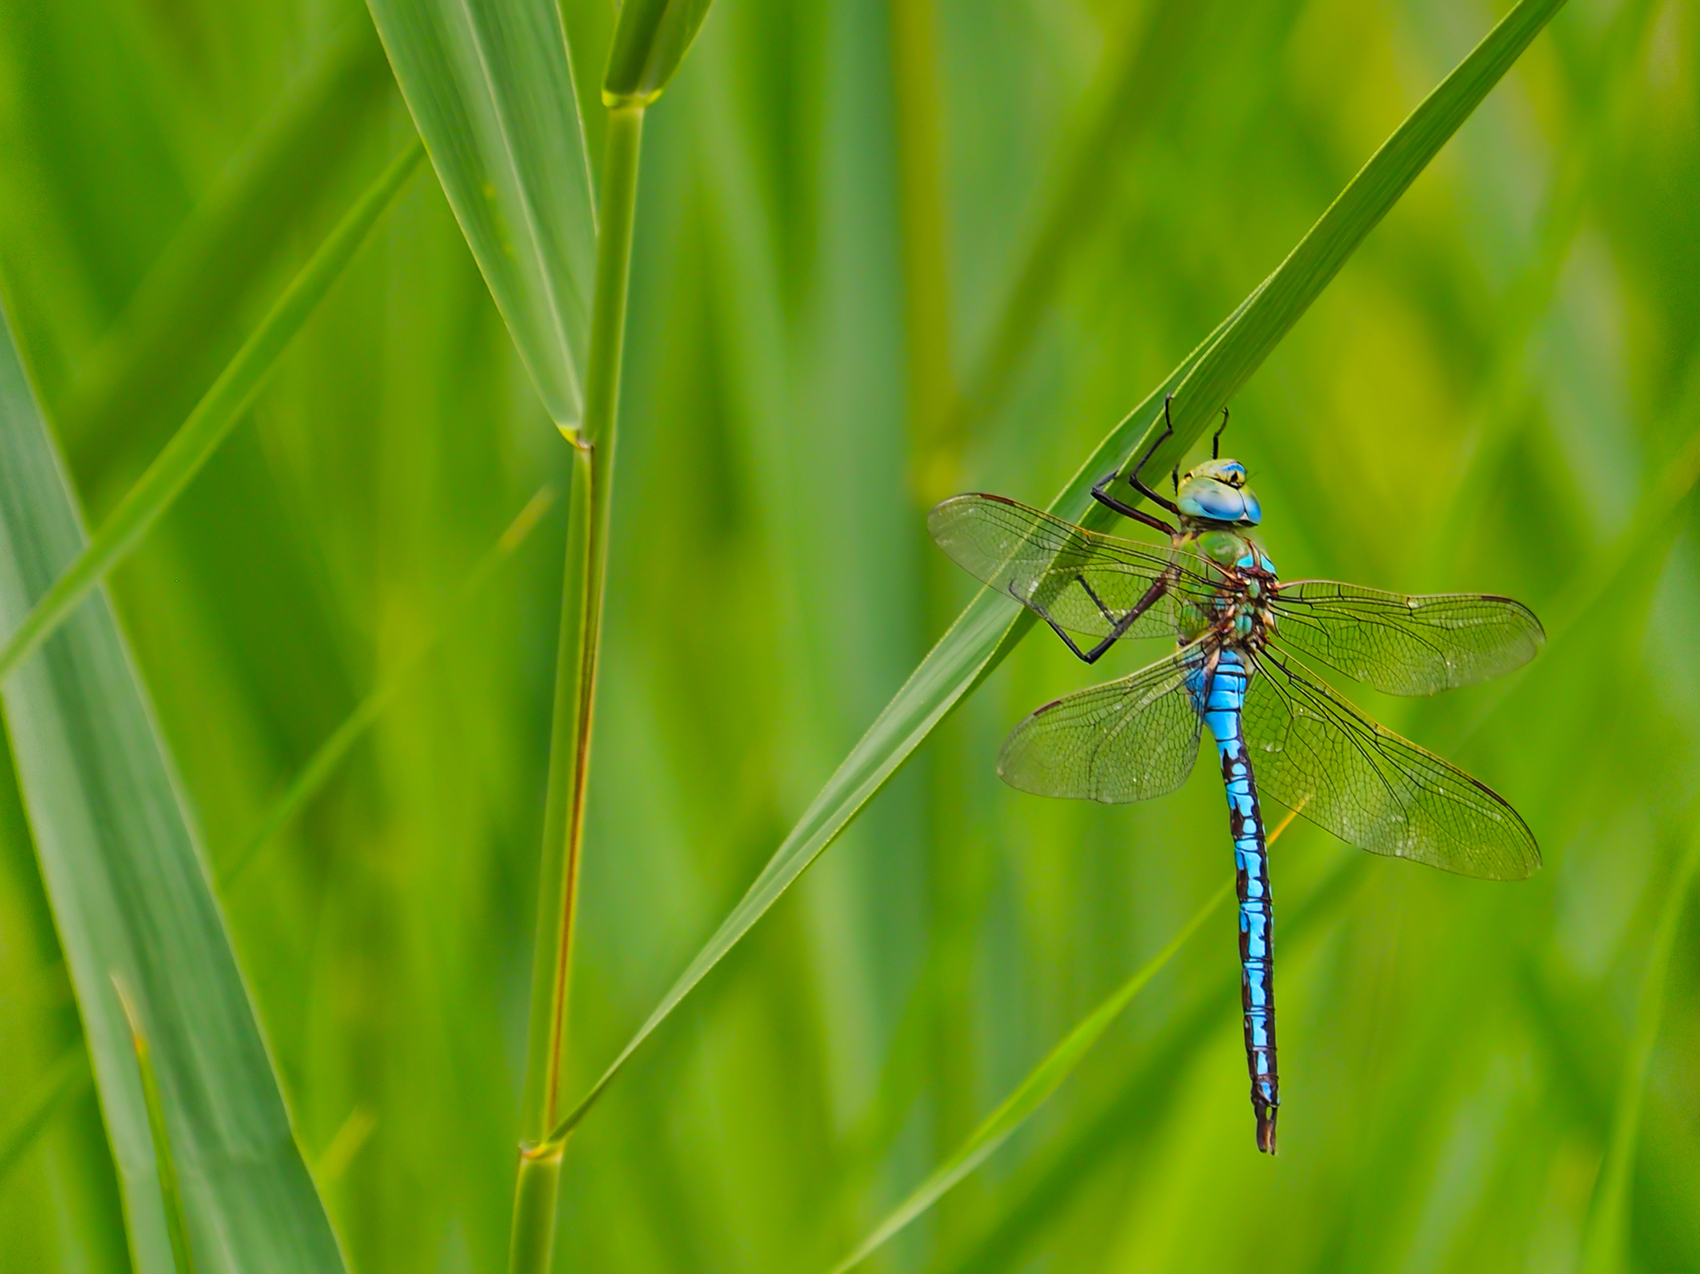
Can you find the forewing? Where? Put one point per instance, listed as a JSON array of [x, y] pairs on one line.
[[1406, 645], [1317, 754], [1125, 741], [1078, 579]]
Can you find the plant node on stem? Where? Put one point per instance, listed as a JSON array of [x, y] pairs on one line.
[[582, 588]]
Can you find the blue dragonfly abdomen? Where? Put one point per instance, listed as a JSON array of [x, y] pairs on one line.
[[1221, 695]]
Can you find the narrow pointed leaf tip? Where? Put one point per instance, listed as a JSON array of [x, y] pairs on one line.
[[490, 88], [651, 40]]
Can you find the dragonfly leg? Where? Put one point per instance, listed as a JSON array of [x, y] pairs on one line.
[[1162, 502], [1101, 492], [1216, 438], [1088, 656], [1118, 625], [1102, 495]]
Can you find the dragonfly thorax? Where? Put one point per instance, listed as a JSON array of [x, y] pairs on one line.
[[1239, 613]]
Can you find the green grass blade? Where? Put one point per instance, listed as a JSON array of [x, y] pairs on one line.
[[330, 753], [61, 1083], [1359, 208], [1604, 1239], [1141, 65], [181, 323], [176, 1223], [987, 630], [650, 41], [1133, 1113], [490, 86], [128, 889], [213, 418], [1030, 1094]]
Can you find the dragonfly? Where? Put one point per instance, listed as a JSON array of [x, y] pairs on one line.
[[1279, 729]]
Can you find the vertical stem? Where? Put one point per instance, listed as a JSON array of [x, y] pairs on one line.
[[583, 585]]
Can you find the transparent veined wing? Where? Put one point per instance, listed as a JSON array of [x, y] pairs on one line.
[[1078, 579], [1124, 741], [1406, 645], [1315, 753]]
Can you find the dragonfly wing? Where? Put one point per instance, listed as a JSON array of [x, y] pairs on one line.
[[1406, 645], [1317, 754], [1078, 579], [1127, 740]]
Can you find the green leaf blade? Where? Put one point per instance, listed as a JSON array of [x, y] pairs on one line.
[[490, 87], [212, 420], [129, 892], [650, 41], [1318, 257], [1040, 1082]]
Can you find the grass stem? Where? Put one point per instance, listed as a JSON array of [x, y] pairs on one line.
[[582, 588]]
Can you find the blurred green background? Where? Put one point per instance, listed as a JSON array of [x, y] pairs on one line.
[[886, 252]]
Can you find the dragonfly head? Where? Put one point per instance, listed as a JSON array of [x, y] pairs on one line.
[[1215, 491]]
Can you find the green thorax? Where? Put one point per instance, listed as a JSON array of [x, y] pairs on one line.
[[1221, 545]]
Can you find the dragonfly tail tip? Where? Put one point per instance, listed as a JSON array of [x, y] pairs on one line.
[[1266, 1127]]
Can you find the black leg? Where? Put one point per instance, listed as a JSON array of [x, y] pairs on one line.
[[1118, 627], [1216, 438], [1134, 478], [1101, 494]]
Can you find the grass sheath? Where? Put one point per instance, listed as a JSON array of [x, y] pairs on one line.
[[213, 418], [583, 585]]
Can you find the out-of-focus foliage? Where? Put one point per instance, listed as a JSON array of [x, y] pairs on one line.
[[1489, 396]]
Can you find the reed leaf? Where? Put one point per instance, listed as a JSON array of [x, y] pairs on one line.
[[490, 86], [211, 421], [181, 323], [1039, 1083], [126, 880], [989, 628]]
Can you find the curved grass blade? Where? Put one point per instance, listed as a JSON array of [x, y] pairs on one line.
[[1605, 1236], [213, 418], [330, 753], [1326, 247], [176, 1224], [1133, 1113], [490, 87], [986, 631], [1040, 1083], [126, 882], [1030, 1094], [63, 1081], [172, 334]]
